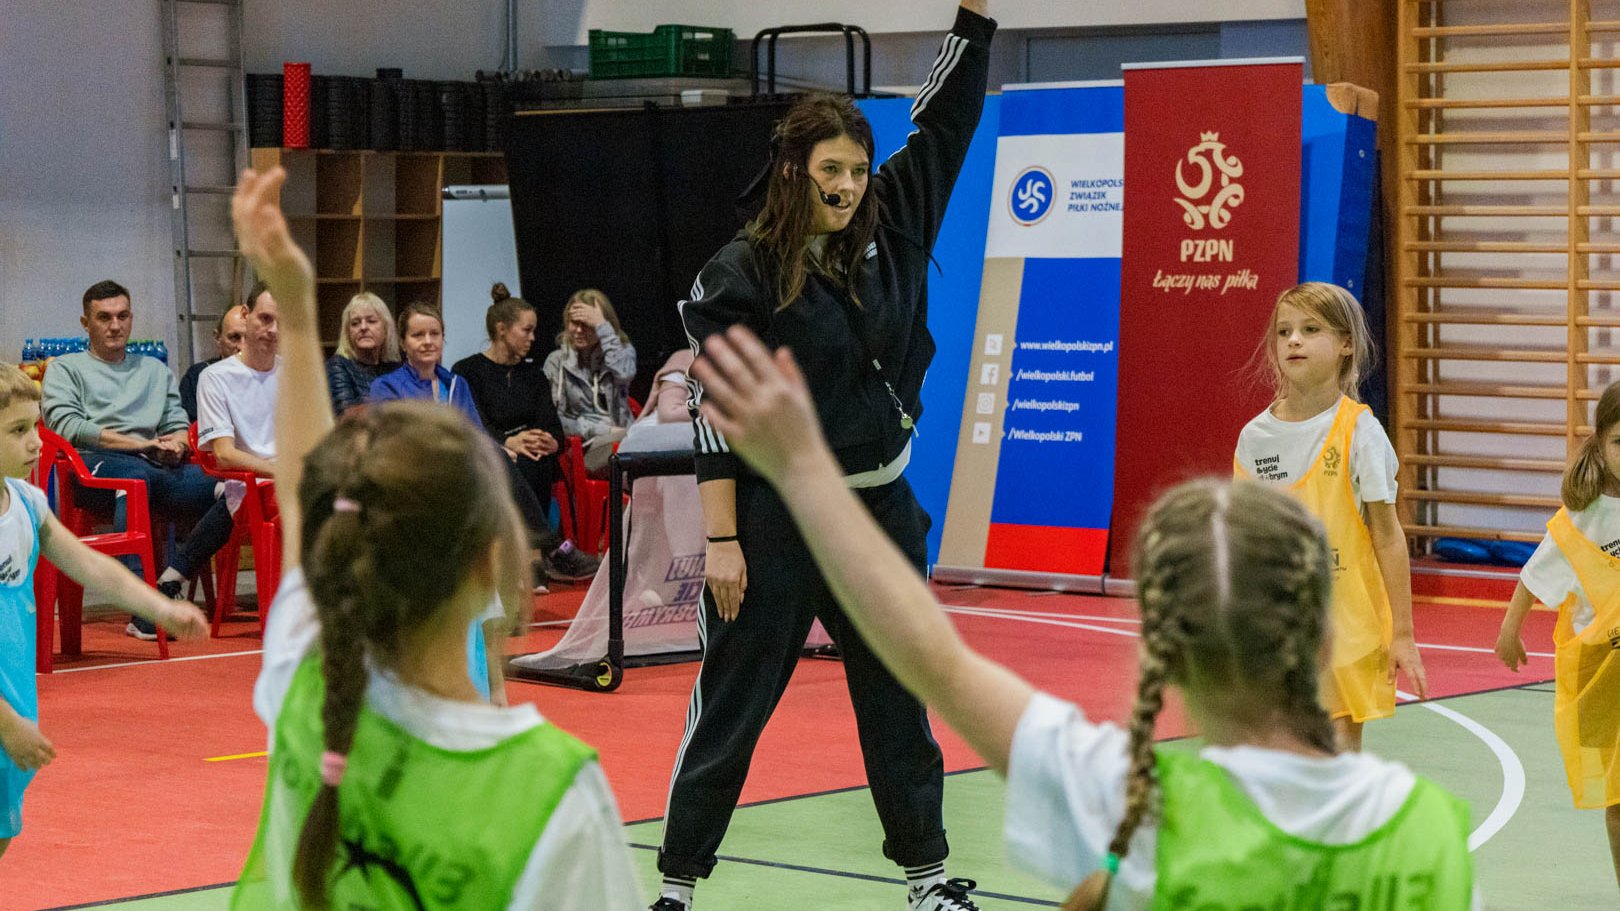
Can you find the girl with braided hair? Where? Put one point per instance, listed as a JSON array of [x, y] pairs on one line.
[[1324, 446], [1234, 585], [1575, 570], [393, 783]]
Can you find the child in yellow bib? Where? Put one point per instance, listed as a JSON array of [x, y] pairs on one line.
[[1327, 449], [1577, 570], [393, 784]]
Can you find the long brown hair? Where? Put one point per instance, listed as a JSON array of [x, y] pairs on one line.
[[1588, 475], [781, 232], [1340, 312], [432, 501], [1233, 582]]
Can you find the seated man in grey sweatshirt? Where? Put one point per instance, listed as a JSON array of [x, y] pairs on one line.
[[123, 414]]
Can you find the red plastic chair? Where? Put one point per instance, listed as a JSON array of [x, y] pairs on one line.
[[589, 518], [55, 593], [258, 524], [589, 509]]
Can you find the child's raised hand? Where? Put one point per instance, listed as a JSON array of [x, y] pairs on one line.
[[1510, 649], [261, 230], [184, 620], [1404, 658], [24, 743], [759, 401]]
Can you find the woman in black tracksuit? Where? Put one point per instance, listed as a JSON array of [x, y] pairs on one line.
[[835, 267]]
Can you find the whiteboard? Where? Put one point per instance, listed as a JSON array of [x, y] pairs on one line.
[[480, 249]]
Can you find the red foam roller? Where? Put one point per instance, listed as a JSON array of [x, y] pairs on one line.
[[295, 105]]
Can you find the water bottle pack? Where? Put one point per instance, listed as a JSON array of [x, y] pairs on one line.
[[43, 349]]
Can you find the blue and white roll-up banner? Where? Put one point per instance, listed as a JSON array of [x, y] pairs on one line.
[[953, 297], [1032, 487]]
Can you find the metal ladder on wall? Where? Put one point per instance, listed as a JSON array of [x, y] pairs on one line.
[[208, 146], [1507, 257]]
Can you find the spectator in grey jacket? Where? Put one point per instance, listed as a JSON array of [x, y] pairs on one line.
[[590, 374], [123, 414], [367, 349]]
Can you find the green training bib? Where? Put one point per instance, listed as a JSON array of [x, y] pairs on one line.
[[423, 828], [1218, 852]]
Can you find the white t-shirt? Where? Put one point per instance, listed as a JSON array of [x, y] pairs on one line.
[[234, 400], [1550, 577], [17, 533], [1066, 796], [1279, 452], [580, 863]]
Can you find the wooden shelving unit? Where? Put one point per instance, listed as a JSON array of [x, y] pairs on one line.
[[371, 221], [1506, 116]]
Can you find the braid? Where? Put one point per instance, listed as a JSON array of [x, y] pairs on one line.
[[1163, 639], [1309, 586], [341, 572], [1141, 783]]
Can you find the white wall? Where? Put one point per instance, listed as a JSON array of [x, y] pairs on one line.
[[83, 174]]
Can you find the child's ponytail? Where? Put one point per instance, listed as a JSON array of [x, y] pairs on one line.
[[339, 573]]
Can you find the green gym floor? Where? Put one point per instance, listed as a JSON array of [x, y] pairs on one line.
[[807, 830]]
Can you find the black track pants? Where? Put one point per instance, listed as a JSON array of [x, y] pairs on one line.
[[746, 667]]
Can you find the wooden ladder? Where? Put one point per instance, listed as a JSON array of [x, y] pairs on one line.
[[1503, 329]]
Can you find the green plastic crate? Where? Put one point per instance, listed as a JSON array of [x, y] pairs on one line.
[[671, 50]]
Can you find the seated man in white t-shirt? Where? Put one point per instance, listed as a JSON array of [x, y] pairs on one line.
[[236, 398]]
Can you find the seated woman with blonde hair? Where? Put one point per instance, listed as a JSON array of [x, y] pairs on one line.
[[590, 374], [367, 349]]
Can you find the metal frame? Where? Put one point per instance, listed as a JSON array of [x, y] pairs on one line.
[[605, 674], [176, 62], [850, 32]]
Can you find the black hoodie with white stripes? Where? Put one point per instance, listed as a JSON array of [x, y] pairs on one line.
[[858, 416]]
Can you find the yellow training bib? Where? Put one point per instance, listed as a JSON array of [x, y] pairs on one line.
[[1586, 709], [1356, 683]]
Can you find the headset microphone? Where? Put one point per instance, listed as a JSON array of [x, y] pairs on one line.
[[831, 199]]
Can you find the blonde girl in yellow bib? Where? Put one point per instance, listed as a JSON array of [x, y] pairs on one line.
[[1321, 443], [1577, 571]]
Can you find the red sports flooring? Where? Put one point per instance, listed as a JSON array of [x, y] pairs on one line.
[[132, 806]]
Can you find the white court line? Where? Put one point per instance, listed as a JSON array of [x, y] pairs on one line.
[[103, 667], [976, 612], [1475, 648], [257, 651], [1512, 768], [1512, 772], [1013, 612], [1060, 615]]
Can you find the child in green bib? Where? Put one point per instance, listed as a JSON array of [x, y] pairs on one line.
[[393, 783], [1233, 582]]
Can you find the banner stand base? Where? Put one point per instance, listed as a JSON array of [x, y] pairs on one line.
[[1017, 578], [1119, 588], [658, 659]]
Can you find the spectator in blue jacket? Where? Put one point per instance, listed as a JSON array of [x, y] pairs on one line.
[[422, 376]]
